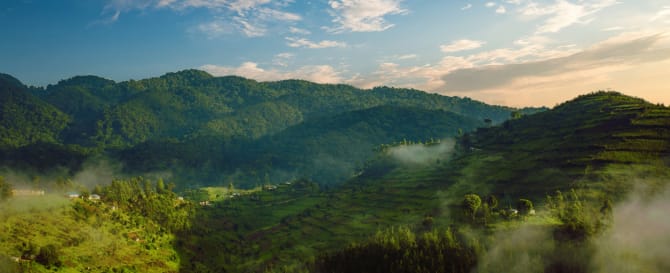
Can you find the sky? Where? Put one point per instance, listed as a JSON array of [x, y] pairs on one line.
[[508, 52]]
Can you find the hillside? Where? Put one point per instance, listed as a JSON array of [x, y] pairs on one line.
[[589, 142], [24, 118], [603, 145], [208, 130], [405, 210]]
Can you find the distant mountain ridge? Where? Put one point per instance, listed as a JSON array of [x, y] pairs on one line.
[[102, 116]]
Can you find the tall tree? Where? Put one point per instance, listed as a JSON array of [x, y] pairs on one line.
[[471, 203]]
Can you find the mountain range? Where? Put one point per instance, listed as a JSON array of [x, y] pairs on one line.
[[223, 129], [559, 190]]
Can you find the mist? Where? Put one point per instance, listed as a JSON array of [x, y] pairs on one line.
[[639, 239], [519, 250], [421, 154], [97, 172]]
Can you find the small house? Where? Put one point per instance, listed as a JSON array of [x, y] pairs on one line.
[[94, 197]]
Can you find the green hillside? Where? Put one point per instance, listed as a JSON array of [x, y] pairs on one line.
[[588, 142], [522, 158], [208, 130], [24, 118], [406, 211], [327, 150]]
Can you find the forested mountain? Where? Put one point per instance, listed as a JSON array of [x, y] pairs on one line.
[[24, 118], [222, 128], [326, 149]]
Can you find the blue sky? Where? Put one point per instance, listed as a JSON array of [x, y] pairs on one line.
[[512, 52]]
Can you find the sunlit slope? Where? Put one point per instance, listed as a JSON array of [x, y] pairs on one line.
[[603, 141]]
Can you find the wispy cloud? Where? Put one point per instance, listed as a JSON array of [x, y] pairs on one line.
[[363, 15], [282, 59], [296, 30], [467, 6], [250, 17], [461, 45], [611, 55], [249, 28], [407, 56], [302, 42], [213, 29], [315, 73], [563, 13], [663, 14]]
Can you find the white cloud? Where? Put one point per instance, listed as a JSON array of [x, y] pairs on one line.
[[467, 7], [490, 4], [302, 42], [461, 45], [563, 13], [249, 29], [249, 16], [315, 73], [407, 57], [282, 59], [273, 14], [363, 15], [285, 55], [296, 30], [501, 9], [240, 5], [213, 29], [662, 14]]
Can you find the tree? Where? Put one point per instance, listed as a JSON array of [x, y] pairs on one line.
[[492, 201], [48, 256], [160, 186], [524, 206], [471, 203], [5, 189]]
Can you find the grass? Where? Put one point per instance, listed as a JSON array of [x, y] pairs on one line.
[[96, 243]]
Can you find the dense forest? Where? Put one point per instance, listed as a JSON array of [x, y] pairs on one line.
[[219, 127]]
